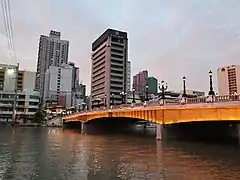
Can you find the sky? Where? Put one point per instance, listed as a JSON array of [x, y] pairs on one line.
[[169, 38]]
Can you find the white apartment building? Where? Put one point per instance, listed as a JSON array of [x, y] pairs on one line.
[[228, 80], [52, 52], [58, 82], [27, 98]]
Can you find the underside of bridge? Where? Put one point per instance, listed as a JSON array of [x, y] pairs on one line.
[[209, 131], [106, 125]]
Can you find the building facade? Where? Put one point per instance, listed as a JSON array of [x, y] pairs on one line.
[[128, 76], [228, 80], [27, 101], [79, 96], [152, 84], [109, 67], [139, 82], [52, 52], [58, 83]]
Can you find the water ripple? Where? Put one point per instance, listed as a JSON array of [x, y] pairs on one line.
[[39, 154]]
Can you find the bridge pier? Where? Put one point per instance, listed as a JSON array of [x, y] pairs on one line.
[[159, 132], [238, 131]]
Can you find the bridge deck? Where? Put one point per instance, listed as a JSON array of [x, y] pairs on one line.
[[168, 114]]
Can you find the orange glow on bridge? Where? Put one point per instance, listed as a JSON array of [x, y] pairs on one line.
[[165, 115]]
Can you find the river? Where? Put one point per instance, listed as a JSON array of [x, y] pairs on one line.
[[54, 154]]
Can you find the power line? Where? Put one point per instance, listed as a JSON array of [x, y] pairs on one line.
[[6, 11], [10, 27]]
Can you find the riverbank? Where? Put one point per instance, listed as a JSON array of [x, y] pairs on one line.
[[28, 124]]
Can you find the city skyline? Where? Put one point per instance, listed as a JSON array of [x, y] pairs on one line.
[[172, 40]]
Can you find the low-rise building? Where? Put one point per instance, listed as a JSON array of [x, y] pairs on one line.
[[27, 100], [26, 105]]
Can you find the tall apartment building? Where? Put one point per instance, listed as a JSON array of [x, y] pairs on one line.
[[52, 52], [58, 82], [228, 80], [128, 76], [139, 82], [109, 67], [27, 98]]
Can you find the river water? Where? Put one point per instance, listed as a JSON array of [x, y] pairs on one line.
[[53, 154]]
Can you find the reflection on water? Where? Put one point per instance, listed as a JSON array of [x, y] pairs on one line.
[[35, 153]]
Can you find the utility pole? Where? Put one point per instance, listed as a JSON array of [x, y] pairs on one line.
[[15, 94]]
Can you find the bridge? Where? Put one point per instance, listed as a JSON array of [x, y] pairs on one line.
[[166, 113]]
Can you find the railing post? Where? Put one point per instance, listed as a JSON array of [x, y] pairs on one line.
[[183, 101], [210, 99]]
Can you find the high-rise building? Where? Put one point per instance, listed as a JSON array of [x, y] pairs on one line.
[[228, 80], [152, 84], [109, 67], [58, 83], [139, 82], [52, 52], [128, 76]]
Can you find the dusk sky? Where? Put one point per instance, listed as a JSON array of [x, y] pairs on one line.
[[170, 38]]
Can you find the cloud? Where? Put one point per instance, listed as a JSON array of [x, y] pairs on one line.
[[170, 38]]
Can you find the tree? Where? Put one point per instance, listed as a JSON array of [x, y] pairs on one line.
[[38, 117]]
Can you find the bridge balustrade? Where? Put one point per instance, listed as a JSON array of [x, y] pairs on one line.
[[227, 98], [196, 100], [216, 99]]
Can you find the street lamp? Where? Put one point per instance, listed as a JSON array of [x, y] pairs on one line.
[[123, 96], [133, 100], [83, 105], [146, 92], [105, 100], [112, 99], [98, 102], [211, 91], [163, 87], [93, 104], [184, 87]]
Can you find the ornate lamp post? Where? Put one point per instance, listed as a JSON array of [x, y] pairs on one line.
[[184, 95], [211, 91], [133, 100], [105, 101], [163, 87], [93, 104], [112, 99], [123, 96], [146, 92], [83, 106], [98, 102]]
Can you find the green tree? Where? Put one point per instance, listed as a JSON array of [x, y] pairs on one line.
[[38, 117]]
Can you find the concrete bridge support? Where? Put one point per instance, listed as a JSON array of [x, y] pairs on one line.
[[159, 132], [227, 132]]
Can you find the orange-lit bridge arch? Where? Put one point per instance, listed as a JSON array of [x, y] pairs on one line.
[[166, 115], [170, 114]]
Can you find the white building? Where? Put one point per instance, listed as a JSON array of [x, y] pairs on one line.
[[194, 93], [228, 80], [27, 99], [128, 76], [58, 82]]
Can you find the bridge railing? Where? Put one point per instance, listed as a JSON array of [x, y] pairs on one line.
[[215, 99]]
